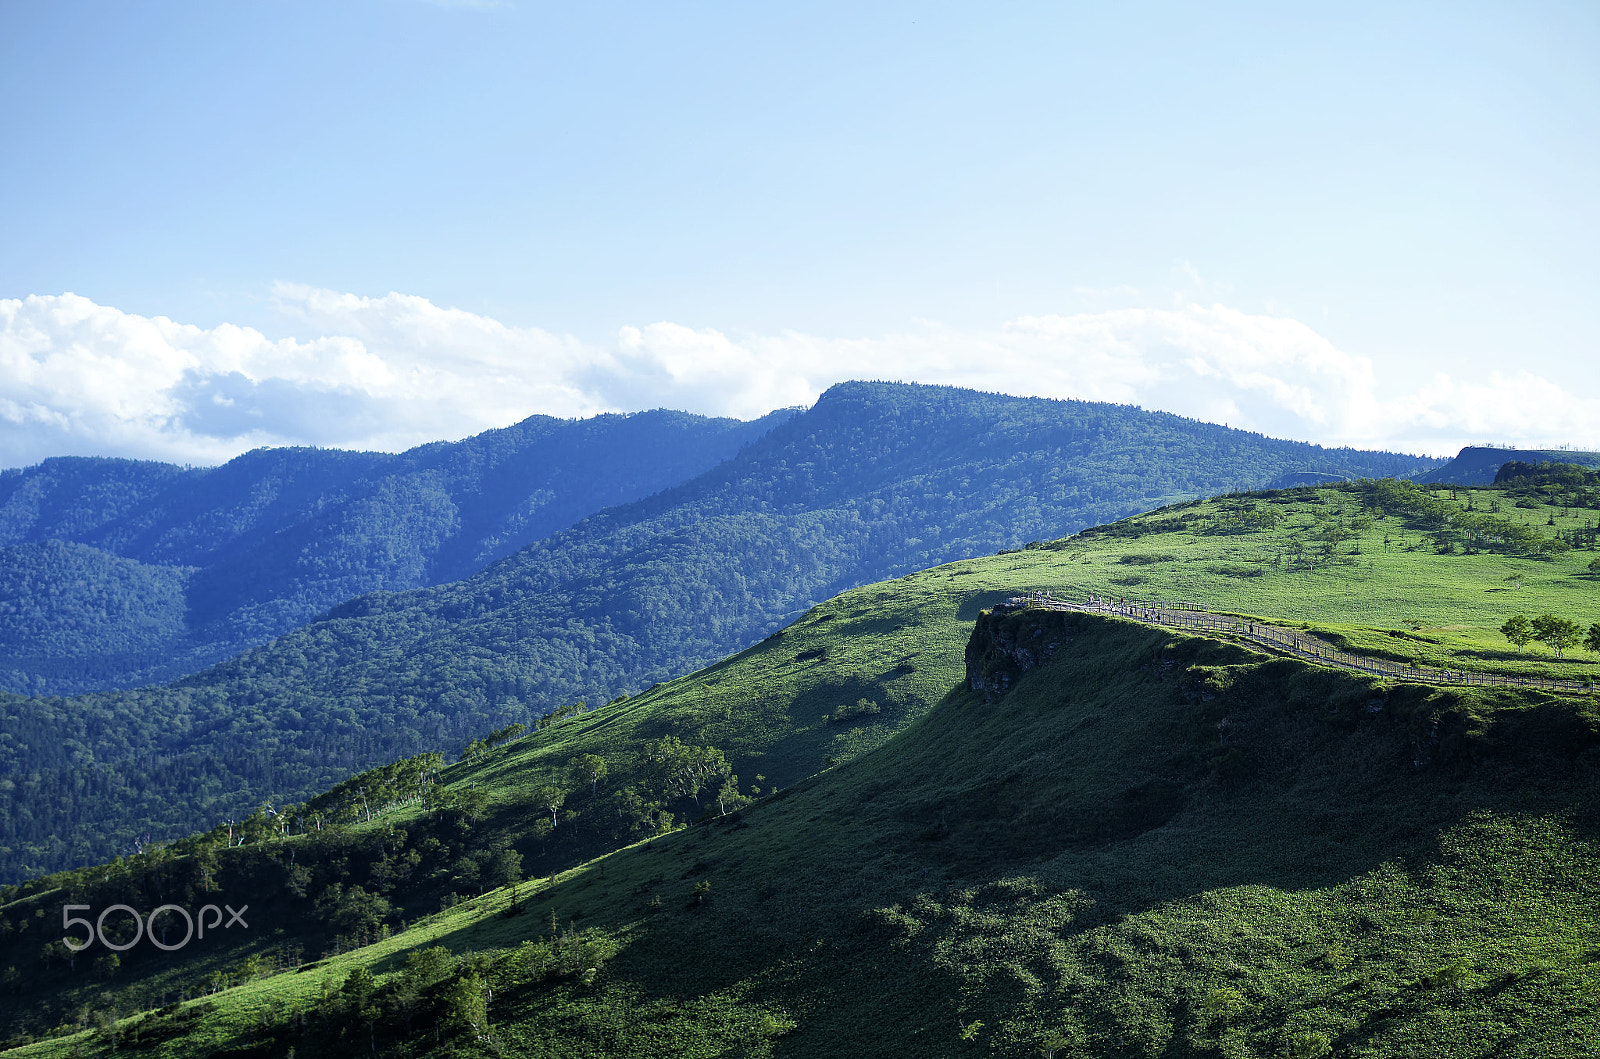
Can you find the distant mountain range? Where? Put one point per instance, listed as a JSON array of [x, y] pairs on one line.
[[117, 573], [875, 480]]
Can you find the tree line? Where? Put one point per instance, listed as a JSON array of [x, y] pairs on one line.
[[1554, 632]]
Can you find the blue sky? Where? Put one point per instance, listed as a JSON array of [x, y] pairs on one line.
[[1357, 223]]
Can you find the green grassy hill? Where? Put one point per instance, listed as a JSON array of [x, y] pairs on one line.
[[1154, 845], [876, 479]]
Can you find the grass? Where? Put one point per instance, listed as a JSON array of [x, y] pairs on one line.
[[1154, 845]]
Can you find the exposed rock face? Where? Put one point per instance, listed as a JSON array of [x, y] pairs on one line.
[[1006, 644]]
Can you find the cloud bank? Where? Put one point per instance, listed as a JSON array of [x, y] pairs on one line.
[[78, 378]]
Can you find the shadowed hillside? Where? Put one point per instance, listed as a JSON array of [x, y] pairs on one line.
[[1152, 845]]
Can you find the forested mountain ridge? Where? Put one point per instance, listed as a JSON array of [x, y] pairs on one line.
[[169, 569], [876, 479]]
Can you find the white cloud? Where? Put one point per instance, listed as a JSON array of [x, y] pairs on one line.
[[387, 373], [390, 372]]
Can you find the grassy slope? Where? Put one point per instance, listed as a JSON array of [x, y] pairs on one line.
[[1459, 601], [1016, 908], [901, 641]]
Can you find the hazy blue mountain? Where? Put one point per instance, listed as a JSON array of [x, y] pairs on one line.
[[875, 480], [116, 573]]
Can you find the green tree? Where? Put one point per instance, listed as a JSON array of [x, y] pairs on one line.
[[357, 995], [728, 797], [427, 966], [540, 830], [352, 910], [299, 876], [642, 814], [404, 998], [467, 870], [550, 799], [1557, 633], [505, 869], [466, 1005], [357, 990], [590, 769], [51, 951], [681, 770], [1054, 1045], [509, 732], [1518, 630], [1592, 641]]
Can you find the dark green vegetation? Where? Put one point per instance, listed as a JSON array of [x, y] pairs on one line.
[[1152, 845], [116, 572], [875, 480]]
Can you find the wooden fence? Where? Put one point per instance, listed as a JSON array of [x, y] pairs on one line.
[[1192, 616]]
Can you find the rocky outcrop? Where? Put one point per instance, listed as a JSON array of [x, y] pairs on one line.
[[1006, 643]]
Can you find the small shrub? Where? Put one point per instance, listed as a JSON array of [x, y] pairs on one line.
[[1311, 1045], [1223, 1004], [1054, 1046], [1236, 570], [776, 1026], [1454, 975], [861, 708], [1336, 959]]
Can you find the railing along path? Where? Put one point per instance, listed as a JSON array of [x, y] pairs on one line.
[[1192, 616]]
